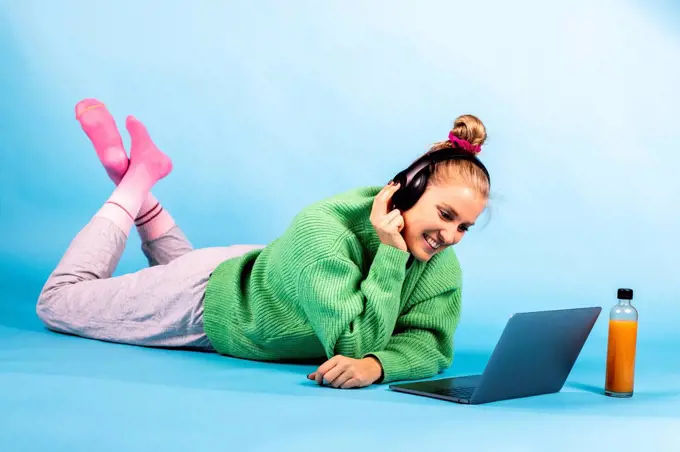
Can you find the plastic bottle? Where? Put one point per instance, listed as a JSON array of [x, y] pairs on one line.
[[621, 346]]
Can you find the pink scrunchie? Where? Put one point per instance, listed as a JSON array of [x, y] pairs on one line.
[[475, 149]]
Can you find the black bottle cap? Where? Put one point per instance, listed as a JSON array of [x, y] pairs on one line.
[[625, 294]]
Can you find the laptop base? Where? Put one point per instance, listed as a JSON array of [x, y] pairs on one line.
[[453, 389]]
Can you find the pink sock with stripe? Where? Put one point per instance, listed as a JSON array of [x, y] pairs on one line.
[[99, 125]]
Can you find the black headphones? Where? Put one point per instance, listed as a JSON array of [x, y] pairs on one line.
[[413, 180]]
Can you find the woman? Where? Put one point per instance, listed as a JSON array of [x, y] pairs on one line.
[[353, 280]]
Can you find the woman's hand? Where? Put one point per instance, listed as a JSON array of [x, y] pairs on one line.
[[388, 224], [343, 372]]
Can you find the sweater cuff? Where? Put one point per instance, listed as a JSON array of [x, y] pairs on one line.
[[395, 366], [389, 257]]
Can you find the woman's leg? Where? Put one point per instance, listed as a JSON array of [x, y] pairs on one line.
[[158, 306], [166, 248], [162, 240]]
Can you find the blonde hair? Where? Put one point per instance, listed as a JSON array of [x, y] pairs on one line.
[[471, 129]]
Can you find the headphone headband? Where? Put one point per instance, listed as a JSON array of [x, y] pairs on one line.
[[443, 155], [413, 180], [455, 154]]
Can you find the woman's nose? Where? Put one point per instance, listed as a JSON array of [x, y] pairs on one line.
[[450, 236]]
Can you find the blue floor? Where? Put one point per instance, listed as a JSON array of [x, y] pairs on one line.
[[61, 393]]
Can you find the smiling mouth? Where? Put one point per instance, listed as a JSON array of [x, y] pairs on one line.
[[431, 243]]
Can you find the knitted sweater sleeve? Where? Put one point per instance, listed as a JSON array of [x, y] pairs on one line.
[[422, 344], [352, 314]]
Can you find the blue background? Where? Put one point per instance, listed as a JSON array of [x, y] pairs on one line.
[[265, 107]]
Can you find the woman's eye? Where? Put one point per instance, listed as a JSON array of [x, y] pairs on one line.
[[445, 215]]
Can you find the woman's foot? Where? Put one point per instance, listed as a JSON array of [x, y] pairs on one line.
[[147, 166], [100, 127], [147, 163]]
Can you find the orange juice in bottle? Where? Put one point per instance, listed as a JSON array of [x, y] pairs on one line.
[[621, 346]]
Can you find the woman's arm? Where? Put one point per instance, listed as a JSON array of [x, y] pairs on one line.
[[352, 314], [422, 344]]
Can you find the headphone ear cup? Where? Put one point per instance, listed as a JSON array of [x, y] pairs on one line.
[[416, 188], [399, 198], [409, 193]]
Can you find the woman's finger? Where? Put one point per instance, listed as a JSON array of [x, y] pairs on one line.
[[386, 191], [341, 379], [334, 373], [400, 225], [380, 202], [392, 222], [390, 216], [351, 383], [396, 220], [387, 194], [324, 369]]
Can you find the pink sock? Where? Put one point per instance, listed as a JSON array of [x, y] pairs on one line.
[[153, 220], [148, 165], [100, 127]]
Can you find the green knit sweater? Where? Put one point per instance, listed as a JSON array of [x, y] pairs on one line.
[[327, 287]]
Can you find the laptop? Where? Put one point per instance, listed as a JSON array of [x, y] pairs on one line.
[[533, 356]]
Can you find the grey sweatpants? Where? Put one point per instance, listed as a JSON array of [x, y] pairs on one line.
[[161, 305]]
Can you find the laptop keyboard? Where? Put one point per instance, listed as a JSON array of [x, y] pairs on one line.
[[460, 392]]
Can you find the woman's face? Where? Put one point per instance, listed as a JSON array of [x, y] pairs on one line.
[[440, 218]]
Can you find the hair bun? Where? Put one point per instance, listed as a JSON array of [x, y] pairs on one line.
[[470, 129]]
